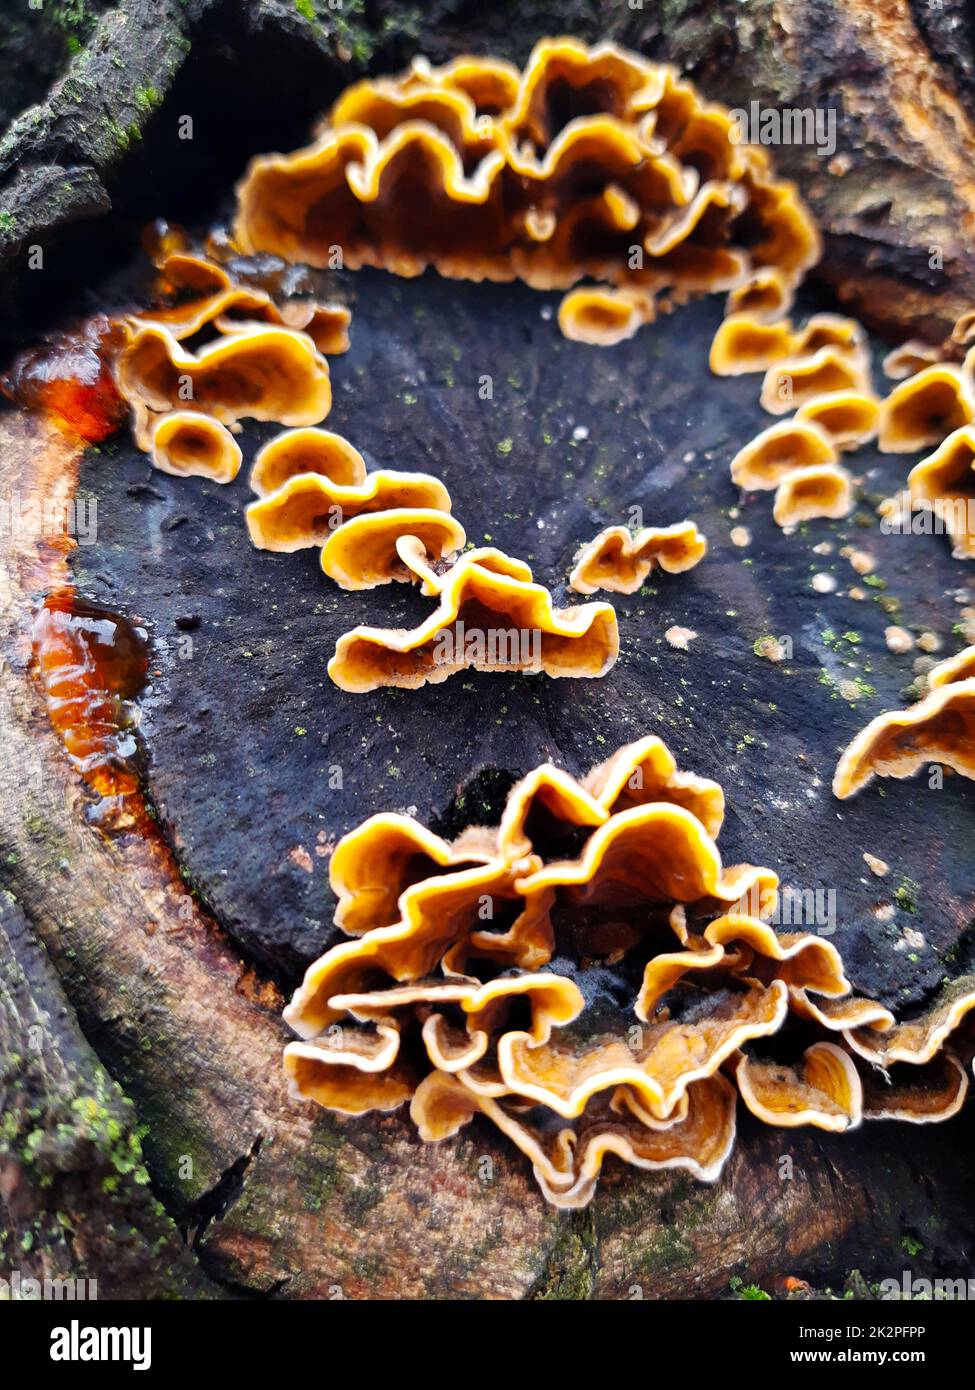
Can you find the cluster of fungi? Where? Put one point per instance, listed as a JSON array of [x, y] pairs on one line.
[[586, 974], [589, 977]]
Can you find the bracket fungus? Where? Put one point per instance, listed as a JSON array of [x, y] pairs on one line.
[[191, 445], [850, 418], [794, 381], [909, 358], [766, 295], [923, 410], [945, 481], [824, 490], [753, 341], [589, 978], [823, 1090], [601, 315], [202, 292], [747, 342], [938, 729], [367, 550], [306, 451], [550, 175], [619, 561], [265, 373], [798, 458], [781, 449], [307, 509], [490, 616]]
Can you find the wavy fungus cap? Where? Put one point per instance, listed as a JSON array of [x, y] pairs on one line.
[[590, 979], [306, 451], [797, 380], [551, 175], [747, 342], [938, 729], [264, 373], [619, 561], [850, 418], [925, 408], [308, 509], [487, 618], [824, 490], [945, 481], [203, 293], [368, 550], [190, 445], [781, 449]]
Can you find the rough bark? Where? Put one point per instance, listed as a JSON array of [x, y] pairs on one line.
[[74, 1188]]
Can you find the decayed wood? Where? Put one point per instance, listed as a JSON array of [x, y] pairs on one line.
[[277, 1197]]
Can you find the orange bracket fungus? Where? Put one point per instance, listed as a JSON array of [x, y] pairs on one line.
[[619, 561], [306, 451], [781, 449], [824, 490], [366, 551], [490, 616], [206, 293], [765, 295], [799, 459], [909, 358], [796, 380], [945, 481], [823, 1090], [265, 373], [592, 162], [308, 508], [191, 445], [938, 729], [921, 411], [588, 977], [747, 343], [601, 315], [850, 418]]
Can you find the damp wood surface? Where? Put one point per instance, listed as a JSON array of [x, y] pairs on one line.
[[156, 960], [259, 763], [170, 959]]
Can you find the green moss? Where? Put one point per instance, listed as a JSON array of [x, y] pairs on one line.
[[749, 1293], [570, 1269], [146, 99], [906, 894]]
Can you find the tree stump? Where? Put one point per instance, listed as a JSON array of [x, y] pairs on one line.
[[147, 968]]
